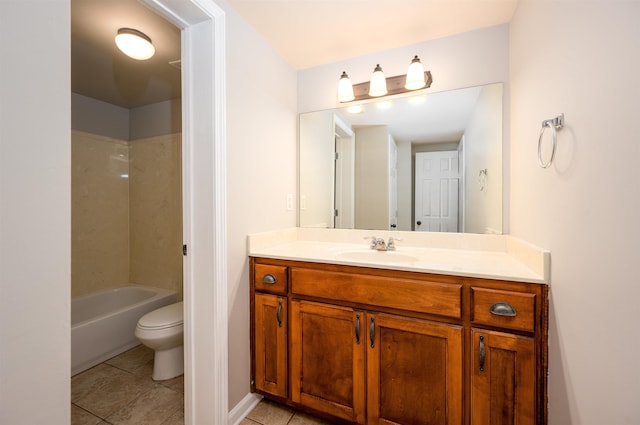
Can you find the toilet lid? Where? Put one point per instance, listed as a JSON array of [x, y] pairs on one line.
[[162, 318]]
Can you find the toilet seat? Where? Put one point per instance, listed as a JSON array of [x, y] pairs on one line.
[[163, 318]]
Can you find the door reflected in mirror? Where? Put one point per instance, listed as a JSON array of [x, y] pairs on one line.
[[423, 162]]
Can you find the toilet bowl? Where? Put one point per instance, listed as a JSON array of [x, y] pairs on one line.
[[162, 331]]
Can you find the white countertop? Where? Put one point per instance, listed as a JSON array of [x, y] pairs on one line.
[[500, 257]]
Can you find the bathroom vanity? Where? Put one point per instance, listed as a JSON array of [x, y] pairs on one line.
[[411, 336]]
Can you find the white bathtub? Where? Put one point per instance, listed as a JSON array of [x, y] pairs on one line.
[[103, 323]]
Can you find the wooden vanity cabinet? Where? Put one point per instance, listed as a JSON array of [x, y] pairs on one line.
[[328, 359], [503, 379], [414, 371], [269, 330], [270, 339], [373, 346], [410, 370], [508, 367]]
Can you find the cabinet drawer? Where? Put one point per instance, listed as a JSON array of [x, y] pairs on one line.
[[506, 309], [270, 278], [423, 296]]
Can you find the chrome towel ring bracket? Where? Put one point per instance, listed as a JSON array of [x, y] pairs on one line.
[[554, 124]]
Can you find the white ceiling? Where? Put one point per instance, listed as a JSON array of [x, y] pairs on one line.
[[99, 70], [306, 33]]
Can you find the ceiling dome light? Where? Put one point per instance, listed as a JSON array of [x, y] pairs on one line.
[[345, 88], [378, 84], [134, 44], [415, 75]]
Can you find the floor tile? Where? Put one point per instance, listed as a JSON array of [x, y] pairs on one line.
[[82, 417], [176, 384], [303, 419], [269, 413], [176, 419], [246, 421], [138, 360], [88, 381], [108, 396], [151, 408]]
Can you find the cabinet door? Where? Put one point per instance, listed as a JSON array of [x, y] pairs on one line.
[[271, 344], [414, 371], [327, 359], [503, 379]]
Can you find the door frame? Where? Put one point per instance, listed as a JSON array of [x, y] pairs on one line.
[[202, 23], [344, 166]]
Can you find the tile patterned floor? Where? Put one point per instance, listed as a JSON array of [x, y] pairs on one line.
[[120, 391], [270, 413]]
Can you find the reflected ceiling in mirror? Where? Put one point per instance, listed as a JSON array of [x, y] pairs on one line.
[[424, 162]]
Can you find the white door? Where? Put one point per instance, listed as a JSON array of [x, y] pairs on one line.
[[393, 184], [436, 182]]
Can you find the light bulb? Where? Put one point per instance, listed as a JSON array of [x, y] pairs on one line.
[[345, 89], [415, 75], [378, 84]]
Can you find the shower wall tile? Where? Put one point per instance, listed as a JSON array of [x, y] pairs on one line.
[[99, 213], [155, 210]]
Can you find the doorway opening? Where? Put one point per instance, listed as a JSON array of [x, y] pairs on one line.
[[202, 23]]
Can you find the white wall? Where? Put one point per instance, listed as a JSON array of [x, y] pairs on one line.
[[582, 58], [261, 171], [483, 135], [157, 119], [97, 117], [35, 232], [316, 179], [463, 60], [372, 178]]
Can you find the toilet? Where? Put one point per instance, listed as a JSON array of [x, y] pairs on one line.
[[162, 331]]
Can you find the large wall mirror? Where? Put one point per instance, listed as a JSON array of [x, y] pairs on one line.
[[423, 162]]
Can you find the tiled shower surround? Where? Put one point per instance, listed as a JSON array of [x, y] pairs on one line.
[[126, 212]]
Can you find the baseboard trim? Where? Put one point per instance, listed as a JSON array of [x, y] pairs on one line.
[[242, 409]]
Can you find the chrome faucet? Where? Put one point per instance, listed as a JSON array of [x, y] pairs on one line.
[[377, 243], [380, 245], [391, 245]]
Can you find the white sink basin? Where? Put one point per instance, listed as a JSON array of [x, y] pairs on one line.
[[372, 256]]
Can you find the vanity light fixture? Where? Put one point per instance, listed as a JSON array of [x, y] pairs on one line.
[[378, 84], [135, 44], [345, 88], [415, 79], [415, 75]]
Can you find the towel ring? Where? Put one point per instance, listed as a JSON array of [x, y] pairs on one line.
[[554, 124]]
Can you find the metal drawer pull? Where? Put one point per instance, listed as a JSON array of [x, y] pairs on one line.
[[357, 329], [269, 278], [482, 353], [503, 309], [372, 332], [279, 313]]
